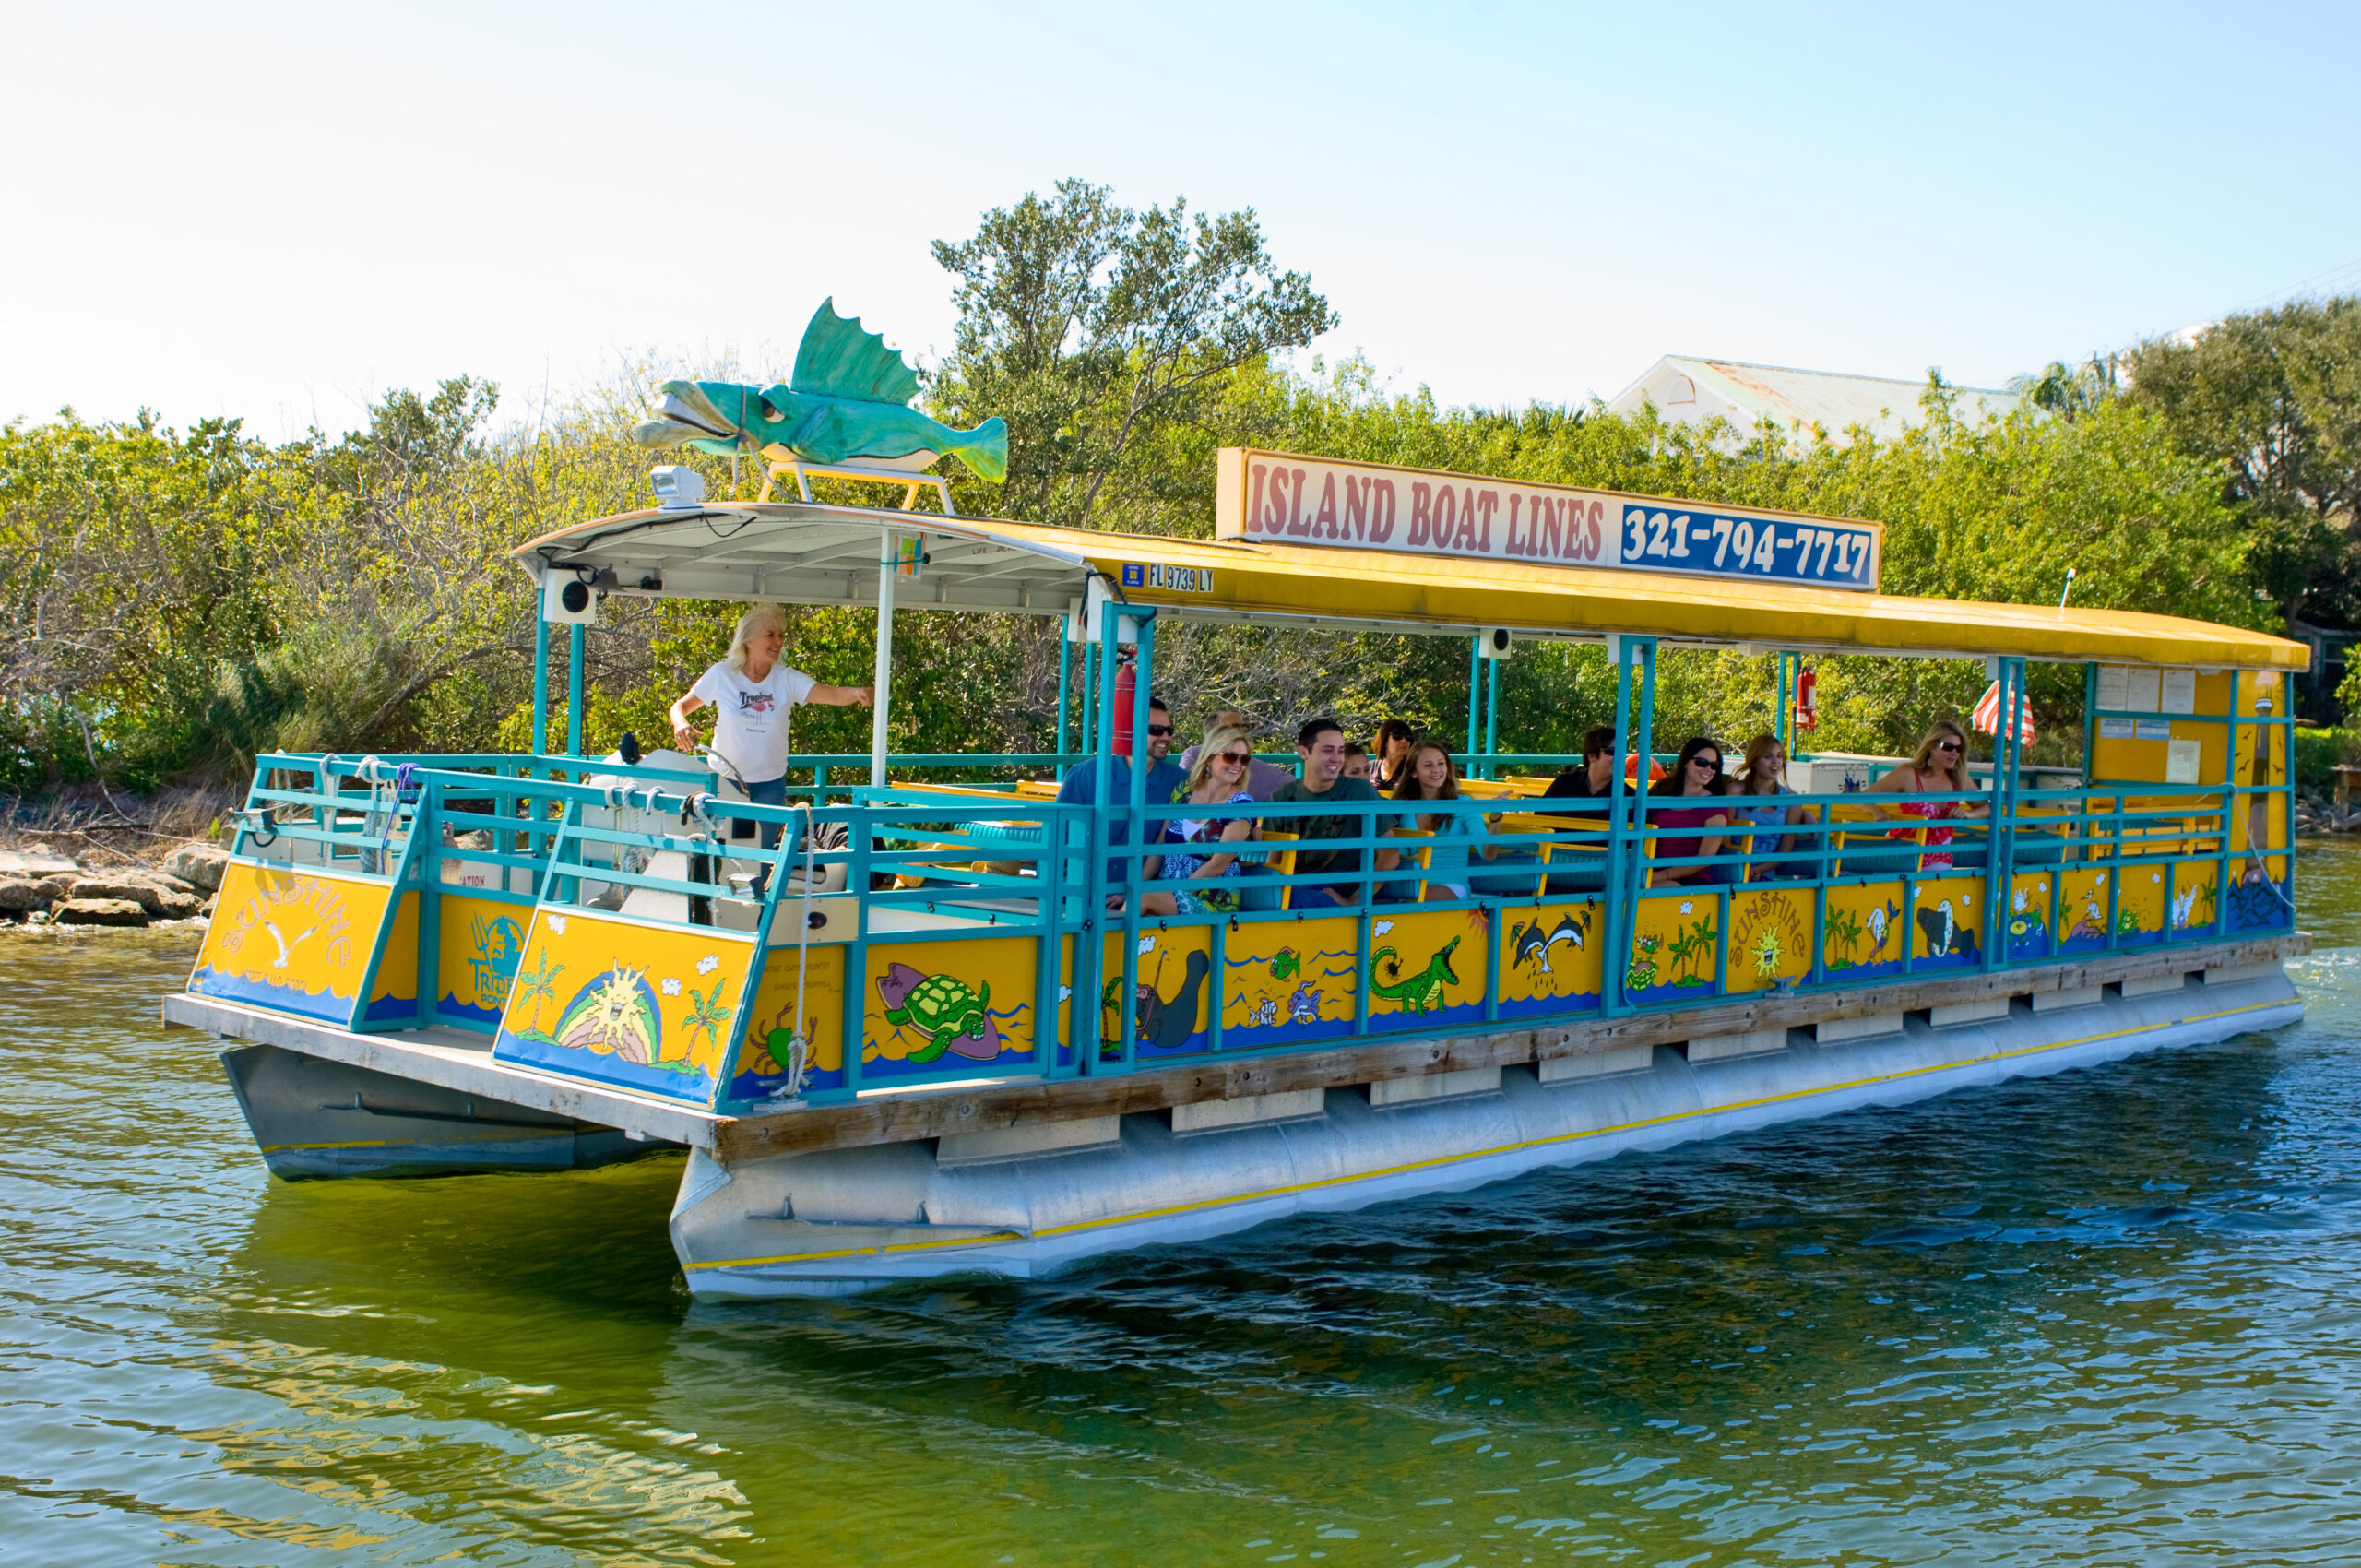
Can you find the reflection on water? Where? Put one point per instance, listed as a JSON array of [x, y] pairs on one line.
[[2103, 1317]]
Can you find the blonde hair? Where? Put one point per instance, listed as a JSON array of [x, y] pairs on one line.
[[1217, 740], [1756, 750], [751, 625], [1924, 756]]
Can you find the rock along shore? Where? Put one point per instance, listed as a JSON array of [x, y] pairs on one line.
[[40, 886]]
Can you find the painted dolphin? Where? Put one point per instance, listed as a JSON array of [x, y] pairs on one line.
[[1566, 930], [1530, 947], [848, 398]]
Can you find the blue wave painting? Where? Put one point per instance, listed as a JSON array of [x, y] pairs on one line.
[[325, 1006]]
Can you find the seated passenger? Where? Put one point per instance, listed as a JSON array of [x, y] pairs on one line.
[[1691, 780], [1395, 739], [1081, 788], [1320, 745], [1206, 879], [1356, 765], [1759, 805], [1427, 775], [1938, 767], [1164, 775], [1592, 781], [1263, 778]]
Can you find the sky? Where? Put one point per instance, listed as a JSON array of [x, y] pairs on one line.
[[283, 212]]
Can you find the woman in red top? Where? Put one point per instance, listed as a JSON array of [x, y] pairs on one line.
[[1694, 776], [1938, 767]]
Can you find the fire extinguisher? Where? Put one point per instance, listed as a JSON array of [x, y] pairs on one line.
[[1806, 693], [1127, 685]]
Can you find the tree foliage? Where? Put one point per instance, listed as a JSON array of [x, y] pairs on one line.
[[1090, 327], [2272, 399]]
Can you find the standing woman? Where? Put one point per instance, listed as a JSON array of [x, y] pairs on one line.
[[1392, 763], [1940, 766], [1695, 782], [753, 694]]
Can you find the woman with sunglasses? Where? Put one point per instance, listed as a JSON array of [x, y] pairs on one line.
[[1203, 880], [1938, 767], [1696, 776], [1392, 763]]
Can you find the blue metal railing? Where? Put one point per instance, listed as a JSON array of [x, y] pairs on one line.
[[925, 871]]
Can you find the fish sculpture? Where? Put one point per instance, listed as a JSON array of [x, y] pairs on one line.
[[848, 398]]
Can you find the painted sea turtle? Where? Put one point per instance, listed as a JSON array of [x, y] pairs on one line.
[[942, 1008]]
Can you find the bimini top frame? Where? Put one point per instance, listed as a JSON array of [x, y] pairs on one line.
[[809, 553]]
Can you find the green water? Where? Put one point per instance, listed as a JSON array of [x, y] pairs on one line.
[[2107, 1317]]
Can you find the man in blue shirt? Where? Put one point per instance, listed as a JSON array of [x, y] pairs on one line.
[[1164, 777]]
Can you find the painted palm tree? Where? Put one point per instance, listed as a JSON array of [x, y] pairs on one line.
[[537, 985], [707, 1013]]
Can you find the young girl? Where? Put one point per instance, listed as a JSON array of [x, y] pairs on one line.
[[1694, 778], [1427, 775], [1203, 879], [1758, 803], [1938, 767]]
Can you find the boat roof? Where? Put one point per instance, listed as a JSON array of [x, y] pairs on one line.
[[803, 553]]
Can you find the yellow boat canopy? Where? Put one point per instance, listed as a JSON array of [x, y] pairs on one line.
[[808, 553]]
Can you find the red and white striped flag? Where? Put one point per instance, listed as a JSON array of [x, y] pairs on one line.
[[1987, 717]]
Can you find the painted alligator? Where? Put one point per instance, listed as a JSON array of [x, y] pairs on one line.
[[848, 398], [1422, 993]]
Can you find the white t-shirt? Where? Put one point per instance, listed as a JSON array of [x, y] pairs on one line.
[[750, 728]]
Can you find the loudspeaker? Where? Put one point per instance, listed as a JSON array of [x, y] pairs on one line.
[[1493, 642], [566, 599]]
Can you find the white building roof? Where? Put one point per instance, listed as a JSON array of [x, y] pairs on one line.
[[1691, 391]]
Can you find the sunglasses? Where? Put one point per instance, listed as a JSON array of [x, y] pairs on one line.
[[1159, 729], [1710, 764], [1947, 745], [1236, 759]]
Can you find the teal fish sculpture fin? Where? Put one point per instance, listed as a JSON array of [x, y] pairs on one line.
[[836, 359]]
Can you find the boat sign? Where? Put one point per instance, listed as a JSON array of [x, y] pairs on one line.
[[1280, 498]]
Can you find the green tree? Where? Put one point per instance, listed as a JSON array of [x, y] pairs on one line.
[[2273, 399], [1091, 327]]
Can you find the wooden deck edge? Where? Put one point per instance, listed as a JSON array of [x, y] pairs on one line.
[[929, 1114]]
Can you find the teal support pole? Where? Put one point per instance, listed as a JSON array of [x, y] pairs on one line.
[[1999, 877], [1786, 707], [541, 683], [1065, 671], [1136, 836], [1626, 838], [1474, 690], [573, 692], [1491, 715]]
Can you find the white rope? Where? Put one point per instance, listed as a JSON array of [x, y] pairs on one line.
[[799, 1045]]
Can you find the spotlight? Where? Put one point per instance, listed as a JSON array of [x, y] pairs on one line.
[[677, 486]]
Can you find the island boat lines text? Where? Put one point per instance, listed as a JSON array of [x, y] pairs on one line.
[[1321, 502]]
